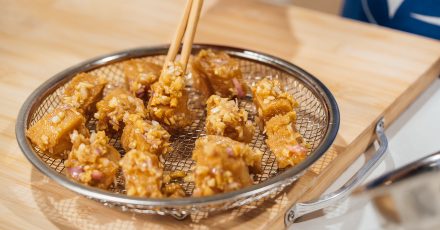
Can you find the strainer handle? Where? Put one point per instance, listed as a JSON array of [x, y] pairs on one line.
[[333, 198]]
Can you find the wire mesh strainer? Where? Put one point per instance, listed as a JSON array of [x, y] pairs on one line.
[[318, 122]]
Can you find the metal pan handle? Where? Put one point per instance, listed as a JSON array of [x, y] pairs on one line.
[[333, 198]]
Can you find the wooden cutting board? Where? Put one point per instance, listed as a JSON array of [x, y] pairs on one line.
[[372, 72]]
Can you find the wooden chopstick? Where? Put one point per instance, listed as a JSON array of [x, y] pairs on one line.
[[188, 26], [190, 32], [175, 44]]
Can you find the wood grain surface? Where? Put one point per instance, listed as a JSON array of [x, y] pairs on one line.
[[372, 72]]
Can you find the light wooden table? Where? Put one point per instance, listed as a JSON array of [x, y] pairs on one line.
[[372, 72]]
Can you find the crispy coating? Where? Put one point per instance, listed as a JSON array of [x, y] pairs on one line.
[[83, 92], [218, 74], [118, 104], [251, 157], [145, 135], [221, 167], [92, 161], [285, 141], [139, 76], [143, 174], [270, 100], [170, 87], [226, 119], [51, 133], [168, 104]]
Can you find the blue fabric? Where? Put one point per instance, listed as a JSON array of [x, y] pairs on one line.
[[415, 16]]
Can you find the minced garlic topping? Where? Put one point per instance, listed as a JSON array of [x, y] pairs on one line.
[[271, 90], [154, 137], [119, 107], [222, 112], [81, 93], [171, 84], [91, 162]]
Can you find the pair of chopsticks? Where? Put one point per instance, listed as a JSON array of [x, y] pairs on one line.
[[187, 25]]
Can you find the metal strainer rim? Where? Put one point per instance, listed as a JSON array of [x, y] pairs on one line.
[[51, 85]]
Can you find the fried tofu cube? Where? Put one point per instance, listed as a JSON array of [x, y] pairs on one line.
[[270, 100], [220, 168], [223, 165], [83, 92], [51, 133], [139, 76], [143, 174], [226, 119], [113, 108], [251, 157], [218, 74], [284, 140], [92, 161], [168, 104], [172, 119], [145, 135]]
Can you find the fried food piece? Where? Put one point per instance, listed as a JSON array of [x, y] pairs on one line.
[[145, 135], [285, 141], [51, 133], [118, 104], [219, 174], [143, 174], [218, 74], [172, 119], [220, 169], [225, 119], [83, 92], [173, 190], [270, 100], [92, 161], [169, 102], [251, 157], [139, 76]]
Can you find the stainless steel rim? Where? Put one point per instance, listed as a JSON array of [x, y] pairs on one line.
[[104, 196], [410, 173]]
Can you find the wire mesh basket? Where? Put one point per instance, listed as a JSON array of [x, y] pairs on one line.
[[317, 121]]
